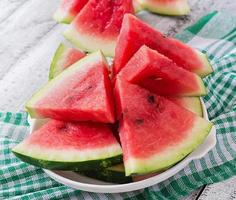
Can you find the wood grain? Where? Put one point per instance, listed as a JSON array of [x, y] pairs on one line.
[[225, 190]]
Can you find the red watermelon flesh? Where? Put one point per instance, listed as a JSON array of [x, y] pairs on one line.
[[73, 56], [78, 135], [68, 9], [67, 145], [155, 133], [98, 25], [80, 93], [64, 57], [160, 75], [135, 33]]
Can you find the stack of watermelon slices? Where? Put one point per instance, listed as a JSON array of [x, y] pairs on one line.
[[69, 9], [151, 92], [95, 24]]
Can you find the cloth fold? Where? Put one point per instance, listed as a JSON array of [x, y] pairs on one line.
[[215, 35]]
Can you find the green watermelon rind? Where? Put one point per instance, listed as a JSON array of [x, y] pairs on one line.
[[140, 166], [192, 104], [196, 106], [90, 43], [91, 58], [113, 174], [208, 68], [54, 67], [202, 91], [62, 17], [137, 6], [176, 10], [75, 166]]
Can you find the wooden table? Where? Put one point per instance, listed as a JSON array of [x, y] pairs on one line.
[[29, 37]]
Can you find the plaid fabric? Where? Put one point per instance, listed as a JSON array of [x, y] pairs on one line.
[[19, 180]]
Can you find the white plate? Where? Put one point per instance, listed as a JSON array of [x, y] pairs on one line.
[[80, 182]]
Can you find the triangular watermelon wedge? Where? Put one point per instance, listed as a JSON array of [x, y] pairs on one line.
[[70, 146], [64, 57], [68, 9], [135, 33], [82, 92], [160, 75], [98, 24], [155, 133], [173, 7]]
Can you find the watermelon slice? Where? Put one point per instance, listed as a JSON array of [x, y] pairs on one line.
[[97, 26], [166, 7], [68, 9], [113, 174], [63, 58], [80, 93], [161, 75], [135, 33], [137, 6], [70, 146], [192, 104], [155, 133]]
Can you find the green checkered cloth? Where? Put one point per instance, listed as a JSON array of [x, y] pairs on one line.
[[214, 34]]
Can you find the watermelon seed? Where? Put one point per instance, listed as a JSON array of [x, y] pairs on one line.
[[70, 99], [139, 121], [151, 99], [89, 87], [125, 112], [63, 127], [164, 36]]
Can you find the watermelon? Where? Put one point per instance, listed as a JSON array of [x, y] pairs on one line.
[[137, 6], [82, 92], [64, 57], [98, 24], [160, 75], [68, 9], [192, 104], [166, 7], [70, 146], [135, 33], [154, 132], [113, 174]]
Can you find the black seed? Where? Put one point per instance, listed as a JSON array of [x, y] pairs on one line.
[[89, 87], [164, 36], [63, 128], [139, 121], [70, 99], [151, 99]]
